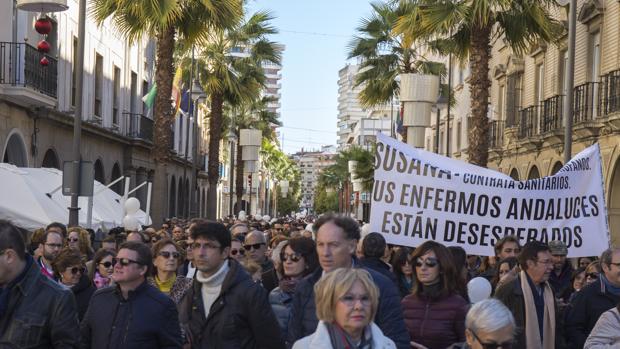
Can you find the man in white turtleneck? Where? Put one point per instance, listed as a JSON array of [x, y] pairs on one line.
[[225, 308]]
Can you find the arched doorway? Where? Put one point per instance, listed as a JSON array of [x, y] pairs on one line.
[[50, 159], [99, 172], [614, 205], [514, 174], [534, 174], [172, 209], [15, 151], [116, 173], [556, 167]]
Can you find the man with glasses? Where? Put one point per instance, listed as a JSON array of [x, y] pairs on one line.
[[188, 269], [236, 250], [224, 308], [594, 299], [336, 241], [256, 249], [35, 312], [132, 314], [530, 299], [239, 231], [51, 247]]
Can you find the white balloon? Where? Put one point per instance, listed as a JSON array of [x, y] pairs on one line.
[[365, 230], [266, 218], [131, 223], [258, 217], [242, 216], [132, 205], [478, 289]]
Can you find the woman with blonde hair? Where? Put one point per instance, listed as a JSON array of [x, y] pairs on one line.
[[346, 304], [79, 239]]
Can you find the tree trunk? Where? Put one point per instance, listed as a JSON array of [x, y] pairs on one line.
[[162, 115], [213, 170], [239, 177], [479, 84]]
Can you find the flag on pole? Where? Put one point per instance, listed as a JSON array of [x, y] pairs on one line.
[[176, 90], [149, 98]]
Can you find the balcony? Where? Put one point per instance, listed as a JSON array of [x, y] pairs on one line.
[[138, 127], [23, 79], [528, 122], [496, 133], [609, 93], [585, 99], [552, 114]]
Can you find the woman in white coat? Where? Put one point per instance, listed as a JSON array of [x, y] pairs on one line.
[[346, 303], [606, 332]]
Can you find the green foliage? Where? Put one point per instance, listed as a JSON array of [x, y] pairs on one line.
[[335, 175], [325, 201], [281, 167], [287, 204]]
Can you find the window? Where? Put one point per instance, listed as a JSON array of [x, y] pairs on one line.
[[562, 83], [595, 68], [540, 82], [133, 92], [513, 98], [458, 136], [98, 84], [116, 93], [501, 103], [73, 73], [441, 143], [145, 90]]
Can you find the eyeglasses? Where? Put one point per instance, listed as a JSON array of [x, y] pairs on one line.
[[547, 262], [350, 300], [293, 257], [76, 270], [617, 264], [167, 254], [107, 265], [429, 262], [253, 246], [124, 261], [208, 245], [234, 251], [592, 275], [54, 245], [505, 345], [73, 239]]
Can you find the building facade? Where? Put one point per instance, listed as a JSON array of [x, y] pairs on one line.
[[37, 103], [349, 109], [311, 164]]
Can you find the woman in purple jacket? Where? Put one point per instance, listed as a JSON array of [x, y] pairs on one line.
[[434, 312]]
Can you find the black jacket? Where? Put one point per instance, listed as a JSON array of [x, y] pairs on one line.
[[389, 316], [240, 317], [587, 306], [83, 291], [380, 267], [39, 313], [146, 319], [562, 282]]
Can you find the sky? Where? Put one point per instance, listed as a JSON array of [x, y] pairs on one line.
[[316, 35]]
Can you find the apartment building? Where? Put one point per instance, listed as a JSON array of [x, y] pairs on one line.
[[311, 164]]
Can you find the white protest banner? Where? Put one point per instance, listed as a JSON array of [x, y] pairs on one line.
[[419, 196]]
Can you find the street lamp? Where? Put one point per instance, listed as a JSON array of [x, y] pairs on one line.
[[196, 94], [232, 138]]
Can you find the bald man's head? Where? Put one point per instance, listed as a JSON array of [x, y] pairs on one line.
[[256, 245]]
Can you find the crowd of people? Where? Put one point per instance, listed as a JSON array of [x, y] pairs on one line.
[[295, 283]]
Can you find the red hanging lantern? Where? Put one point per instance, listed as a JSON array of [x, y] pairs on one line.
[[43, 46], [43, 25], [44, 61]]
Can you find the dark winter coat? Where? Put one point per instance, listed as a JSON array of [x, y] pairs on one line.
[[511, 294], [587, 306], [83, 291], [560, 283], [281, 304], [379, 266], [146, 319], [389, 316], [38, 313], [240, 317], [435, 323]]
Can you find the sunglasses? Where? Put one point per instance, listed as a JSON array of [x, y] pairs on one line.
[[253, 246], [124, 261], [293, 257], [107, 265], [505, 345], [429, 262], [73, 239], [76, 270], [167, 254], [592, 276], [234, 251]]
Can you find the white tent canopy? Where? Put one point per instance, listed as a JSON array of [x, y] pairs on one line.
[[30, 200]]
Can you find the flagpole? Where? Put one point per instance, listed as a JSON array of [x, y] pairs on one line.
[[189, 103]]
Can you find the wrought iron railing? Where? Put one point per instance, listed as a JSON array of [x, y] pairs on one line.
[[138, 127], [528, 121], [586, 102], [496, 133], [609, 93], [20, 66], [552, 113]]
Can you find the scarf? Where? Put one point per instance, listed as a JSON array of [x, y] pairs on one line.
[[341, 340], [287, 285], [532, 332], [100, 281], [165, 286], [610, 287]]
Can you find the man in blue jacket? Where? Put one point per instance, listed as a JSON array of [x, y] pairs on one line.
[[132, 314], [336, 242]]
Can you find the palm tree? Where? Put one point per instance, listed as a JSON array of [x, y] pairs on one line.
[[467, 29], [282, 168], [167, 20], [229, 69]]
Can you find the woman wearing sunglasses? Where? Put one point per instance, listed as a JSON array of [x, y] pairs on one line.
[[101, 271], [402, 266], [489, 325], [166, 260], [79, 240], [434, 312], [298, 258], [71, 272]]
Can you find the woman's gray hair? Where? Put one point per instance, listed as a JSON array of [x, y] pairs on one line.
[[489, 315]]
